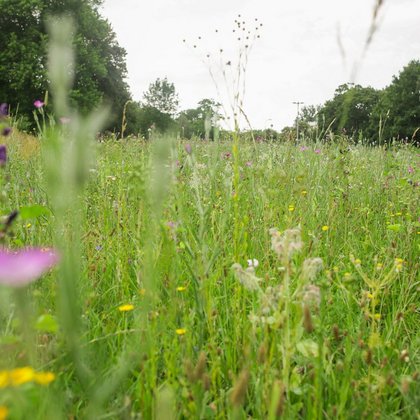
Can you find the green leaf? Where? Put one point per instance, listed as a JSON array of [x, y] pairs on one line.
[[308, 348], [47, 323], [394, 228], [32, 212]]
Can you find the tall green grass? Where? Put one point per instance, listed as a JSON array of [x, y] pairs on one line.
[[157, 231]]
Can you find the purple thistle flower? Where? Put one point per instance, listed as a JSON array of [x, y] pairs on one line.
[[410, 169], [3, 154], [6, 131], [4, 110], [19, 268], [38, 104], [318, 151]]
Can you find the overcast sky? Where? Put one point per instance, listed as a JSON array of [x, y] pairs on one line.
[[297, 57]]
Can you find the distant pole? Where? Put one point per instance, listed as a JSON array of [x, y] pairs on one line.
[[297, 103]]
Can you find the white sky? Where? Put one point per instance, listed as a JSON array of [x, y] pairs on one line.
[[297, 57]]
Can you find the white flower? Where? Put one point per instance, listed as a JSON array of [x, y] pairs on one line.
[[253, 263]]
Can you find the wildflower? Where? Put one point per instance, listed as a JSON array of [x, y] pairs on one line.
[[38, 104], [181, 289], [44, 378], [287, 243], [377, 316], [188, 148], [312, 295], [6, 131], [379, 266], [303, 148], [325, 228], [4, 110], [18, 268], [126, 308], [410, 169], [180, 331], [304, 192], [398, 264], [357, 262], [317, 151], [291, 208], [3, 154], [253, 262], [311, 268], [347, 276], [246, 277], [21, 376], [369, 295], [4, 411]]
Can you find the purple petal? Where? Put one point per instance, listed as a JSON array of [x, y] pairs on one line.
[[38, 104], [4, 110], [3, 154], [25, 266]]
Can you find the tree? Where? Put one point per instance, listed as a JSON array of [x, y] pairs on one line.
[[200, 121], [399, 107], [143, 120], [162, 96], [100, 68], [350, 110]]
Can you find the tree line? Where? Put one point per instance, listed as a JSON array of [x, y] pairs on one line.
[[376, 115], [100, 77]]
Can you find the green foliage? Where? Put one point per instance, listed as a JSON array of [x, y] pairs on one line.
[[162, 96], [145, 120], [350, 110], [194, 122], [99, 74], [374, 115], [401, 103], [353, 353]]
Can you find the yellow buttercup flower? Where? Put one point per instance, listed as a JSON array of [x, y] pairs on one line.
[[291, 207], [21, 376], [44, 378], [4, 379], [181, 288], [180, 331], [377, 317], [325, 228], [4, 411], [126, 308]]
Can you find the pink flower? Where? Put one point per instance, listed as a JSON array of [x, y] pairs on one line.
[[303, 148], [38, 104], [18, 268], [317, 151], [410, 169], [249, 163], [188, 148]]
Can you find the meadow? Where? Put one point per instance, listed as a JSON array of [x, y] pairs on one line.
[[212, 280]]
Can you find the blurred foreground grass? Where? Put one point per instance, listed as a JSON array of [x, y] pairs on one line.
[[165, 325]]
